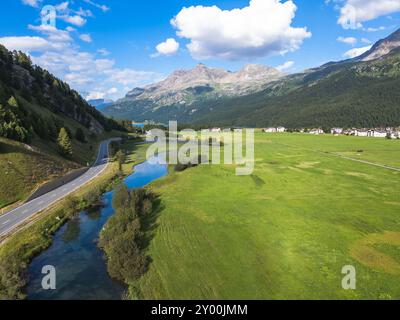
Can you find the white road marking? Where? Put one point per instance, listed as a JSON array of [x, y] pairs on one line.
[[5, 222], [25, 211]]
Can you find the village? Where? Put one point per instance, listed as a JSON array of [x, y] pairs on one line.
[[388, 133]]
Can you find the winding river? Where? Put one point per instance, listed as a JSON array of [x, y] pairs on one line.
[[81, 271]]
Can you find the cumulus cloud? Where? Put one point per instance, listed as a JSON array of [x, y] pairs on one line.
[[29, 44], [356, 52], [76, 20], [167, 48], [347, 40], [285, 66], [262, 28], [85, 37], [354, 12], [53, 34]]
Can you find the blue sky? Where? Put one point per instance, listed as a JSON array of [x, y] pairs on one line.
[[104, 48]]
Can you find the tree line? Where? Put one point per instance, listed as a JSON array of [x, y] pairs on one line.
[[122, 239]]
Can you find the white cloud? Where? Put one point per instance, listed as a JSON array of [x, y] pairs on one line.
[[103, 8], [84, 12], [260, 29], [103, 52], [365, 40], [356, 52], [381, 28], [76, 20], [95, 95], [112, 90], [32, 3], [62, 6], [53, 34], [29, 44], [285, 66], [85, 73], [347, 40], [85, 37], [167, 48], [354, 12], [132, 78]]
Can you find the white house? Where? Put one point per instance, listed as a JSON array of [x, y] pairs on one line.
[[275, 130], [216, 130], [395, 134], [379, 134], [317, 131], [337, 130], [363, 133]]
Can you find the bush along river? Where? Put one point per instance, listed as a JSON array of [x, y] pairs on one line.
[[81, 270]]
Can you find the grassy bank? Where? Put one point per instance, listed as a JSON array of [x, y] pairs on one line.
[[284, 232]]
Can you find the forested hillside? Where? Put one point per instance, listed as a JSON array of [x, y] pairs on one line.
[[362, 94], [46, 128]]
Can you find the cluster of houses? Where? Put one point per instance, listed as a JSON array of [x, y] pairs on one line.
[[393, 133]]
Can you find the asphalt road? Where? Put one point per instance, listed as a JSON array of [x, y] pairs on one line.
[[12, 219]]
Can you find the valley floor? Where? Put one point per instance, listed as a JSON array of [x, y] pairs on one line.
[[285, 232]]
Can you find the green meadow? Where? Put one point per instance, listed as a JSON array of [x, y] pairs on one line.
[[284, 232]]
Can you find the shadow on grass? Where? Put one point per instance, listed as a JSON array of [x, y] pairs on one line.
[[150, 226]]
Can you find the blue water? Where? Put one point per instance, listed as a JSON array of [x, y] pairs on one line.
[[81, 272], [139, 125]]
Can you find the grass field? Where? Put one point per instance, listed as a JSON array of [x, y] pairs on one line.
[[286, 231]]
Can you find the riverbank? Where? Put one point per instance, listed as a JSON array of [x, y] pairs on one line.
[[37, 235]]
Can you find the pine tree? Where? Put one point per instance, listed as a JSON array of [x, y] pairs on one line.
[[12, 102], [64, 143]]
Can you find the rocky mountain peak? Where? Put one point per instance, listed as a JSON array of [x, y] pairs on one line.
[[382, 47]]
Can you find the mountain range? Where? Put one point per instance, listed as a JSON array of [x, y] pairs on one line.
[[100, 104], [358, 92]]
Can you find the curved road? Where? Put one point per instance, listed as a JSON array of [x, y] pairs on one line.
[[14, 218]]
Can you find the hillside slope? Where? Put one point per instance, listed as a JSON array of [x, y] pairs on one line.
[[23, 168]]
